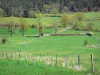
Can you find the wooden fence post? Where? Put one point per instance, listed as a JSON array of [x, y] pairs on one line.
[[34, 58], [65, 62], [51, 59], [78, 61], [73, 62], [45, 59], [2, 55], [19, 56], [6, 55], [26, 57], [39, 58], [30, 57], [56, 60], [92, 64], [11, 56]]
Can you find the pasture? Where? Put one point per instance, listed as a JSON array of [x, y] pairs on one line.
[[50, 46], [9, 67]]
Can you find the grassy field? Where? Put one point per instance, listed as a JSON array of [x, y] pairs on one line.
[[48, 21], [9, 67], [50, 46]]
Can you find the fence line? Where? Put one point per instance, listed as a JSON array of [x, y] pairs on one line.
[[49, 60]]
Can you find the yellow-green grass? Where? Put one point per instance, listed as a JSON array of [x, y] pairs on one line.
[[29, 31], [55, 45], [50, 44], [47, 21]]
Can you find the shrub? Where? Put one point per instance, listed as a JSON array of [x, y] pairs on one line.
[[32, 14], [4, 40], [33, 26], [1, 12], [89, 27], [65, 19], [79, 16], [97, 30], [85, 42], [54, 11]]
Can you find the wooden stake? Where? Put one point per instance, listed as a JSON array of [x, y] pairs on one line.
[[56, 60], [92, 64], [6, 55], [78, 61], [2, 55], [73, 62], [19, 56], [30, 57], [11, 56]]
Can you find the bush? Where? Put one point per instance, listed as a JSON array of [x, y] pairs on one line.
[[89, 27], [79, 16], [97, 30], [85, 42], [4, 40], [1, 12], [33, 26], [65, 20], [32, 14], [54, 11]]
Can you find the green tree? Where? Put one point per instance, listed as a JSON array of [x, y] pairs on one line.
[[23, 25], [40, 27], [46, 8], [89, 27], [2, 12], [65, 9], [55, 25], [32, 14], [65, 19], [79, 16], [54, 11], [78, 21], [39, 5], [11, 25]]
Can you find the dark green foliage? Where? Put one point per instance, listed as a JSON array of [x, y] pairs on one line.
[[4, 40], [16, 7], [85, 42], [90, 26], [25, 13]]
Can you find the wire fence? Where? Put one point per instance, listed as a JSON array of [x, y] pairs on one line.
[[74, 62]]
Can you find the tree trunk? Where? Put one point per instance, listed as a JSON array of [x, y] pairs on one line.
[[11, 31], [22, 31]]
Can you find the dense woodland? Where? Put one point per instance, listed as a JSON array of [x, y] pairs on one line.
[[20, 7]]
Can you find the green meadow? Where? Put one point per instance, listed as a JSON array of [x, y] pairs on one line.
[[9, 67], [50, 46]]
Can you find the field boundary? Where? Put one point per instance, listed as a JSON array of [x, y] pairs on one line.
[[57, 61], [68, 35]]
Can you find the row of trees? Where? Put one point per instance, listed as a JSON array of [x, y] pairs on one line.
[[75, 22], [25, 7], [12, 24]]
